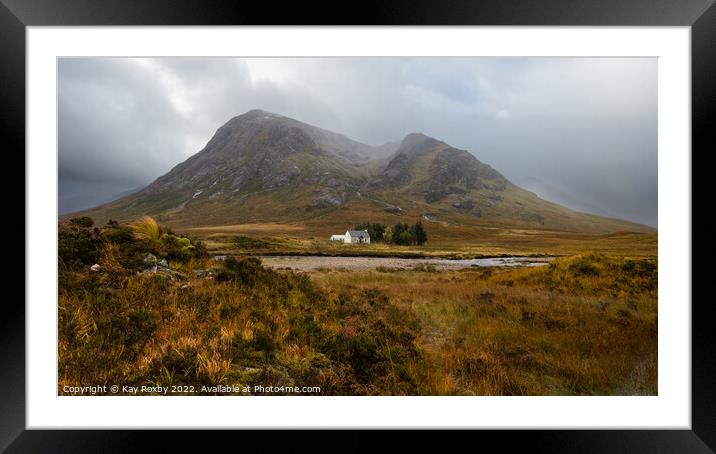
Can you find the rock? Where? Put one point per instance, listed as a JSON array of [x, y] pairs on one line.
[[219, 258], [95, 267], [163, 272], [208, 274], [166, 272], [150, 259], [468, 204], [163, 263], [327, 200]]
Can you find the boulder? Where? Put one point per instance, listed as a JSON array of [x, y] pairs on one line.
[[208, 274], [150, 259], [95, 267], [468, 204]]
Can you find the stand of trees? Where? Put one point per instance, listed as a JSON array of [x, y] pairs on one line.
[[400, 233], [406, 235]]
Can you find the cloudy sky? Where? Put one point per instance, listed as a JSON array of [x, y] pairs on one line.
[[578, 131]]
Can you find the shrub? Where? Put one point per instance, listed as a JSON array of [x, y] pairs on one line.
[[362, 353], [139, 327], [119, 235], [264, 342], [83, 222], [177, 248], [78, 245], [146, 228], [584, 266], [406, 237], [425, 267], [245, 242], [247, 271]]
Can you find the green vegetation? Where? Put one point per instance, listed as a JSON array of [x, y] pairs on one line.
[[400, 234], [245, 242], [582, 325], [407, 235], [81, 245]]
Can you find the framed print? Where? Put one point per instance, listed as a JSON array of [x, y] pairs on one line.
[[463, 216]]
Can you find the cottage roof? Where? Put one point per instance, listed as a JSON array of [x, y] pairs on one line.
[[358, 233]]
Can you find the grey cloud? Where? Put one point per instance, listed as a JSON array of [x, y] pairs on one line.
[[579, 131]]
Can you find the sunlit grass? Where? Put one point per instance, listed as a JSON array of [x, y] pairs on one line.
[[146, 228], [541, 331], [583, 325]]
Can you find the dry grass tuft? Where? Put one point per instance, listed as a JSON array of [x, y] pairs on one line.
[[146, 228]]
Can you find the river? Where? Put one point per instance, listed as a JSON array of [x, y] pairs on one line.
[[312, 262]]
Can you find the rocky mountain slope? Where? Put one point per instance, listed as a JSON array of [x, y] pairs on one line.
[[264, 167]]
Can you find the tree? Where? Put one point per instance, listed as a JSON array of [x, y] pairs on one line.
[[377, 231], [421, 236], [398, 229], [407, 237], [388, 234]]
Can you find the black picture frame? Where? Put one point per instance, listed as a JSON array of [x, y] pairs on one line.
[[700, 15]]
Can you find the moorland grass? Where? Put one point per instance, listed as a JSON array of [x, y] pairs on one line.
[[582, 325]]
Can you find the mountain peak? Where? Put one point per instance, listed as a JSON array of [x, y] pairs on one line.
[[414, 138], [259, 112], [418, 143], [253, 115]]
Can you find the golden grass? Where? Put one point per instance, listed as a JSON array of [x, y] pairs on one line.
[[584, 325], [443, 241], [250, 228], [146, 228], [527, 331]]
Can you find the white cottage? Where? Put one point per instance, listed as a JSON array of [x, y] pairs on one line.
[[353, 237], [357, 236]]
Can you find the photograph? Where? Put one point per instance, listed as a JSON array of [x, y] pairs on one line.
[[357, 226]]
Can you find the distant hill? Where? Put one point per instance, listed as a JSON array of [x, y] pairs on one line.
[[125, 193], [264, 167]]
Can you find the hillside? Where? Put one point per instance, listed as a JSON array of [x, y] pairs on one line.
[[264, 167]]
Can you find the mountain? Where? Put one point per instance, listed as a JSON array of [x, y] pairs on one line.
[[125, 193], [433, 170], [264, 167]]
